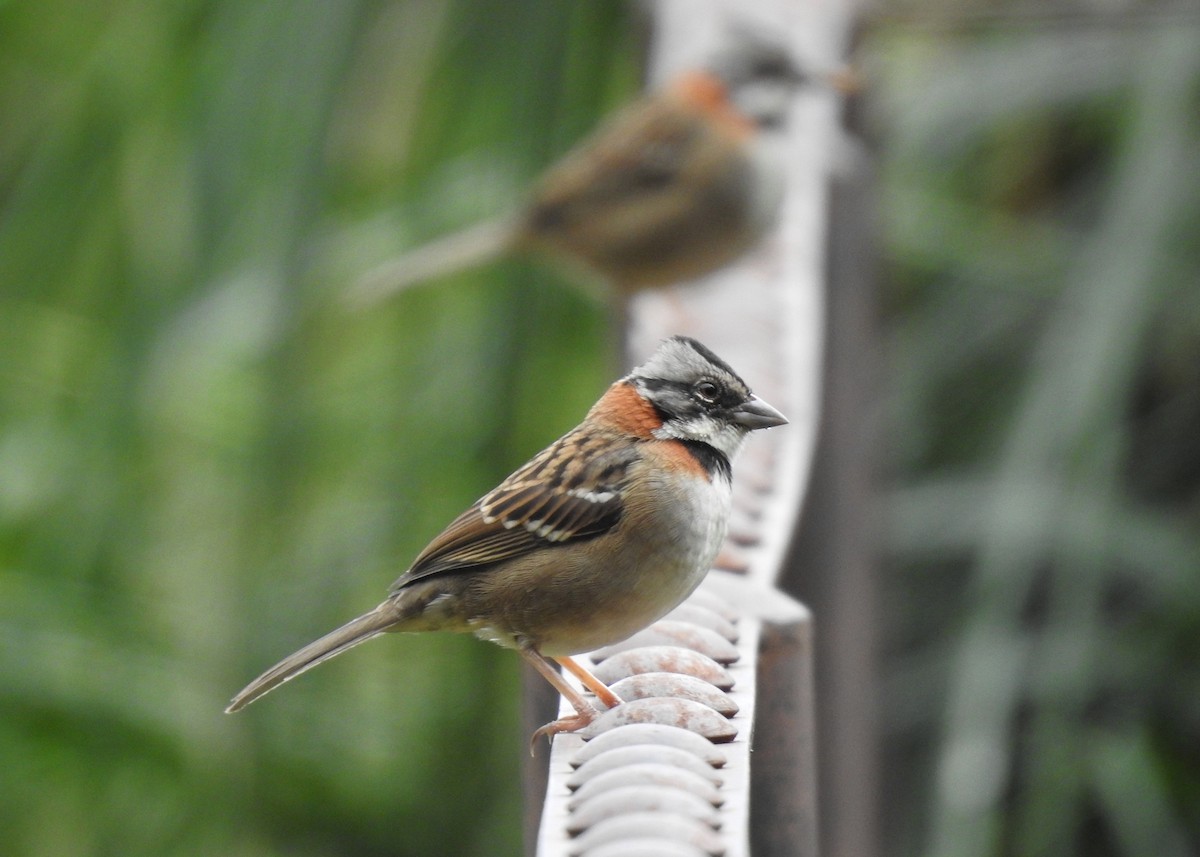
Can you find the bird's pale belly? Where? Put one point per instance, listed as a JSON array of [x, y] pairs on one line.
[[604, 596]]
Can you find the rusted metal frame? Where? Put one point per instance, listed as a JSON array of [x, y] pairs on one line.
[[765, 316], [835, 558]]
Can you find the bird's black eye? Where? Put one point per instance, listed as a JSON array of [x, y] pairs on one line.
[[707, 392]]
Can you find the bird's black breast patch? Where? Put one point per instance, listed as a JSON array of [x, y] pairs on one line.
[[714, 462]]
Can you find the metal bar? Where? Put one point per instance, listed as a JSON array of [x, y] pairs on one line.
[[706, 792]]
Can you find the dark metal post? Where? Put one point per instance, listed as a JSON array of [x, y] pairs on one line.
[[783, 786]]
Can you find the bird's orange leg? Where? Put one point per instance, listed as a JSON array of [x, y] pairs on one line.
[[585, 712], [610, 699]]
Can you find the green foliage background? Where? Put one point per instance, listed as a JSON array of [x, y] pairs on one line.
[[204, 460], [1042, 663]]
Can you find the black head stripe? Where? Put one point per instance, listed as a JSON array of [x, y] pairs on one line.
[[755, 56], [702, 349]]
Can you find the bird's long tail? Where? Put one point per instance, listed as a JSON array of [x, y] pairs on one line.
[[454, 252], [334, 643]]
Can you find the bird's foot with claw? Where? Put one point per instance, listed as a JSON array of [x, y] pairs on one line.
[[564, 724]]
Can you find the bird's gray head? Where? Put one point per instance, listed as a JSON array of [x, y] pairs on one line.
[[761, 75], [700, 398]]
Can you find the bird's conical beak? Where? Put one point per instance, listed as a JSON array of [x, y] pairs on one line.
[[757, 414]]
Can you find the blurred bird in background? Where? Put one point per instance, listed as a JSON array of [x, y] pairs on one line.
[[680, 183]]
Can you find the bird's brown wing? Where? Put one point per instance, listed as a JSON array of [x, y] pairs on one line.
[[640, 151], [571, 491]]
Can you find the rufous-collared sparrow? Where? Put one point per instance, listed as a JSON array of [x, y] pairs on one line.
[[677, 184], [600, 534]]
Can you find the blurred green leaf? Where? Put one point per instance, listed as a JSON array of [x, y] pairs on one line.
[[206, 461], [1038, 182]]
